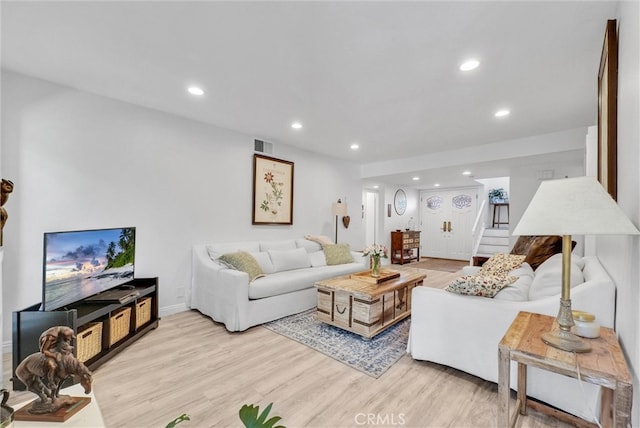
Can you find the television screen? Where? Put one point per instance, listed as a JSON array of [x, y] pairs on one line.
[[80, 264]]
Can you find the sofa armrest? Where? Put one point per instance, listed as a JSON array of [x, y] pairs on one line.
[[218, 291]]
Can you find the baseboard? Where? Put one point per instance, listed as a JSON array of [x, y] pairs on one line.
[[173, 309]]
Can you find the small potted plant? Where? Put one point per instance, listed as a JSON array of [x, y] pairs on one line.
[[497, 196]]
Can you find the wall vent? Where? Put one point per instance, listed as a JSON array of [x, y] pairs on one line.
[[262, 146]]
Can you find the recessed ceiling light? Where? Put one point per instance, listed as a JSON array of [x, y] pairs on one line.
[[296, 125], [466, 173], [194, 90], [376, 187], [502, 113], [469, 65], [436, 185], [416, 178], [354, 146]]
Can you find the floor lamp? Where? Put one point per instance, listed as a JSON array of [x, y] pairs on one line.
[[338, 209], [572, 206]]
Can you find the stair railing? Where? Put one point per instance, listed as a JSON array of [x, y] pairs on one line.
[[477, 231]]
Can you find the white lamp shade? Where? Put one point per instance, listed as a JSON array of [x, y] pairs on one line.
[[574, 206], [339, 208]]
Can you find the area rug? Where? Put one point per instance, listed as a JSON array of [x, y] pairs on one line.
[[372, 357]]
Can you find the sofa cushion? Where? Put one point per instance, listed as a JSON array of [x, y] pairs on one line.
[[320, 239], [310, 246], [519, 290], [480, 285], [548, 277], [317, 259], [337, 254], [264, 261], [244, 262], [501, 264], [289, 259], [295, 280], [289, 244]]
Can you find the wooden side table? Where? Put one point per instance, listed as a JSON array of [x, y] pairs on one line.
[[604, 365], [496, 211]]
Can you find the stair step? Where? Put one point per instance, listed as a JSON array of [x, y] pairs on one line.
[[496, 232], [492, 249], [495, 240]]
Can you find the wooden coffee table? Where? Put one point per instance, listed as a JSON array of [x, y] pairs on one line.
[[358, 304]]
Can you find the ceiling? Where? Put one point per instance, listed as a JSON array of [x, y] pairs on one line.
[[380, 74]]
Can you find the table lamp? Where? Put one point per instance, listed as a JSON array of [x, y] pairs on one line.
[[571, 206], [338, 209]]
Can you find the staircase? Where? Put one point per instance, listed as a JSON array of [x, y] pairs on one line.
[[493, 241]]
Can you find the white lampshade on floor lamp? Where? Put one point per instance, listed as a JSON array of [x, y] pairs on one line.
[[338, 209], [572, 206]]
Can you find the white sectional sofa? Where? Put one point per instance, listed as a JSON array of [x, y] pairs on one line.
[[464, 331], [292, 267]]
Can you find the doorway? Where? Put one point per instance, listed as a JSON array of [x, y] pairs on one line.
[[370, 216], [446, 218]]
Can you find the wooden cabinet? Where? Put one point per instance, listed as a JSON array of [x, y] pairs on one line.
[[405, 246], [29, 323]]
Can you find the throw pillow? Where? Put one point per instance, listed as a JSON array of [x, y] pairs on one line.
[[501, 264], [317, 259], [337, 254], [548, 278], [289, 259], [320, 239], [479, 285], [542, 248], [244, 262], [523, 244], [264, 261], [310, 246]]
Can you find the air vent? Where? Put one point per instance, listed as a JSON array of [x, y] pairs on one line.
[[262, 146]]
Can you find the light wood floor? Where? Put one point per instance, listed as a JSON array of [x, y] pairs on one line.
[[192, 365]]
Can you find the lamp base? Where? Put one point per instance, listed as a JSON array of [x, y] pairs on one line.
[[566, 341]]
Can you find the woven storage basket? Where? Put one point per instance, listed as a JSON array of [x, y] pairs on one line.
[[119, 324], [89, 341], [143, 311]]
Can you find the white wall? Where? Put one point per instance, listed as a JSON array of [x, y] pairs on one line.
[[80, 161], [524, 183], [620, 255], [396, 221]]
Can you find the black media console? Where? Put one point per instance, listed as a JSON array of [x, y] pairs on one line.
[[29, 323]]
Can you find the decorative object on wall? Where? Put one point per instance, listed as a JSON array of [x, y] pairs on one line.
[[607, 111], [272, 190], [388, 210], [5, 188], [339, 209], [571, 206], [400, 202], [346, 220]]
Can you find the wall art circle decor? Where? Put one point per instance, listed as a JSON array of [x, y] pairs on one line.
[[400, 202]]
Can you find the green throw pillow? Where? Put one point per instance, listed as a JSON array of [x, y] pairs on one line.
[[337, 254], [244, 262]]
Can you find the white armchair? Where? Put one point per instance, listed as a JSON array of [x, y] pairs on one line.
[[463, 332]]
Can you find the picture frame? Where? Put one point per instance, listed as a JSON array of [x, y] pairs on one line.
[[272, 191], [400, 202], [607, 111]]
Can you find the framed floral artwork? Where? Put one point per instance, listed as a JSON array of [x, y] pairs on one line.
[[272, 190], [607, 111]]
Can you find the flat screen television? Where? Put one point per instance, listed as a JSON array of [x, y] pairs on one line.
[[79, 264]]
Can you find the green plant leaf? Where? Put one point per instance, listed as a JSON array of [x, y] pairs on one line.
[[179, 419], [250, 418]]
